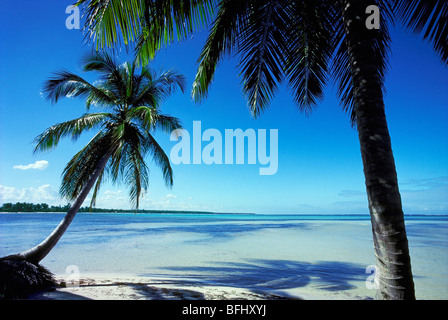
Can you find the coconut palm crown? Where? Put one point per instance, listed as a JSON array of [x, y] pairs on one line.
[[131, 102], [124, 132]]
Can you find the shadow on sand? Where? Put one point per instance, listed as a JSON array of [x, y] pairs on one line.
[[266, 279], [275, 275]]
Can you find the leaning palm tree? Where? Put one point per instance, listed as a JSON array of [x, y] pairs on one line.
[[304, 43], [124, 136]]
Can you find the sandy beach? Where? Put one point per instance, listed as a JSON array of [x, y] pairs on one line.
[[128, 287], [133, 287]]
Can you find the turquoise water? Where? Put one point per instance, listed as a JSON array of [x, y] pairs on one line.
[[298, 255]]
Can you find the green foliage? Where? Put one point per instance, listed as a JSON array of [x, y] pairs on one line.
[[124, 133], [301, 42], [32, 207], [43, 207]]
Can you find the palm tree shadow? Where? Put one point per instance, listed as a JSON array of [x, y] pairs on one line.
[[274, 275]]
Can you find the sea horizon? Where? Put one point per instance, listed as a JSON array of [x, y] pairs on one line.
[[173, 212]]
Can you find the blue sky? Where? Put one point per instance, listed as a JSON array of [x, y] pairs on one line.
[[319, 161]]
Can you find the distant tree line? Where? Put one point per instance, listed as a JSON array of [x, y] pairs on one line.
[[32, 207], [43, 207]]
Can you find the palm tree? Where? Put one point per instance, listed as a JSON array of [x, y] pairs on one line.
[[124, 137], [304, 43]]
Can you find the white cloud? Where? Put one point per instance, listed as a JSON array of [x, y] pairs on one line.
[[44, 193], [170, 196], [38, 165]]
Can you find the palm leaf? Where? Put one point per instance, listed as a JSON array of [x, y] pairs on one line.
[[136, 173], [109, 22], [96, 189], [153, 89], [74, 128], [311, 42], [66, 84], [164, 21], [221, 41], [150, 119], [154, 23], [429, 17], [113, 78], [262, 45], [160, 158], [79, 169]]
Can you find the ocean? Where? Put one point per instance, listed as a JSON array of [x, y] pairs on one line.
[[305, 256]]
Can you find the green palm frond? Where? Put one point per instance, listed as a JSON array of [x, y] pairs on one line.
[[136, 172], [166, 123], [164, 21], [113, 77], [151, 24], [311, 44], [160, 158], [74, 128], [112, 21], [168, 81], [66, 84], [150, 119], [221, 41], [429, 17], [153, 88], [261, 45], [80, 167], [96, 190]]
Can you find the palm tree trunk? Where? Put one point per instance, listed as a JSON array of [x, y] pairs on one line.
[[39, 252], [394, 275]]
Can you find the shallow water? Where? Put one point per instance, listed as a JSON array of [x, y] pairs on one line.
[[306, 256]]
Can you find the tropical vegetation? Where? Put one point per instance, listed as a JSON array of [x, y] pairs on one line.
[[20, 207]]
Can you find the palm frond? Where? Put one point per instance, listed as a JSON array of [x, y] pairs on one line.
[[150, 119], [429, 17], [127, 160], [154, 88], [221, 41], [79, 169], [74, 128], [113, 77], [166, 123], [66, 84], [311, 43], [165, 21], [118, 158], [151, 23], [96, 190], [160, 158], [262, 46], [136, 174], [109, 22]]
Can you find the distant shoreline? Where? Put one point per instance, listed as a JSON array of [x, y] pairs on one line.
[[146, 212], [24, 207], [170, 212]]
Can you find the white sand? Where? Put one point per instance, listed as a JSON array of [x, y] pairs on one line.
[[129, 287], [132, 287]]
